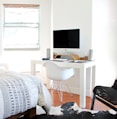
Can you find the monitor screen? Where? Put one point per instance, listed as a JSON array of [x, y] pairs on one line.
[[66, 38]]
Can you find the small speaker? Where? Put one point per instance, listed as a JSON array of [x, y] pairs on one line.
[[91, 55], [48, 53]]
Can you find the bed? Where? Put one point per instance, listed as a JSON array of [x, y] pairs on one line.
[[20, 94]]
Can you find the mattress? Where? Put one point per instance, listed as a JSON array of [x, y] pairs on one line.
[[20, 92]]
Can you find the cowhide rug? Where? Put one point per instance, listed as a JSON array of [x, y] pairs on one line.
[[71, 110]]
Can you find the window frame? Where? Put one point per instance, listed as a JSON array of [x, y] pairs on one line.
[[37, 45]]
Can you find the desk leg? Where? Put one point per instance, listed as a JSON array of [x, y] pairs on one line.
[[4, 65], [93, 76], [90, 81], [83, 87], [33, 68]]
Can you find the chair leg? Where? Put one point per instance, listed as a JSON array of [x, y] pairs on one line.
[[69, 90], [93, 101], [51, 87], [60, 93], [60, 87], [57, 85]]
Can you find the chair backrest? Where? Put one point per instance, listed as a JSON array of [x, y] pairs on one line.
[[56, 72], [115, 84], [51, 70]]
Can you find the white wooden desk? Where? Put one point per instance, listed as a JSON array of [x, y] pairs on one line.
[[83, 67], [4, 65]]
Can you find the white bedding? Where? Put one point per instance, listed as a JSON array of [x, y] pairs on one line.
[[19, 92]]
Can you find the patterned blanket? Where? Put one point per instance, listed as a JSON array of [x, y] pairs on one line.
[[19, 92]]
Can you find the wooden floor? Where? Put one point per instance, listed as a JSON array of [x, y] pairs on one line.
[[75, 98], [67, 97]]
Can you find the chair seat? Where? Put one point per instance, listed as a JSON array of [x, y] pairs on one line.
[[107, 93]]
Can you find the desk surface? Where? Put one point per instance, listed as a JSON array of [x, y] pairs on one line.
[[72, 61], [67, 63]]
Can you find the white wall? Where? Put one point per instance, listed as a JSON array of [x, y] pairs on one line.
[[68, 14], [104, 40], [20, 60]]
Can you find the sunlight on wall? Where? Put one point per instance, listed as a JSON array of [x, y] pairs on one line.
[[104, 43]]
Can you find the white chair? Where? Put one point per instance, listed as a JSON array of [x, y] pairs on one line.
[[57, 74]]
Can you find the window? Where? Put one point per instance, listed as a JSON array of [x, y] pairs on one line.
[[21, 26]]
